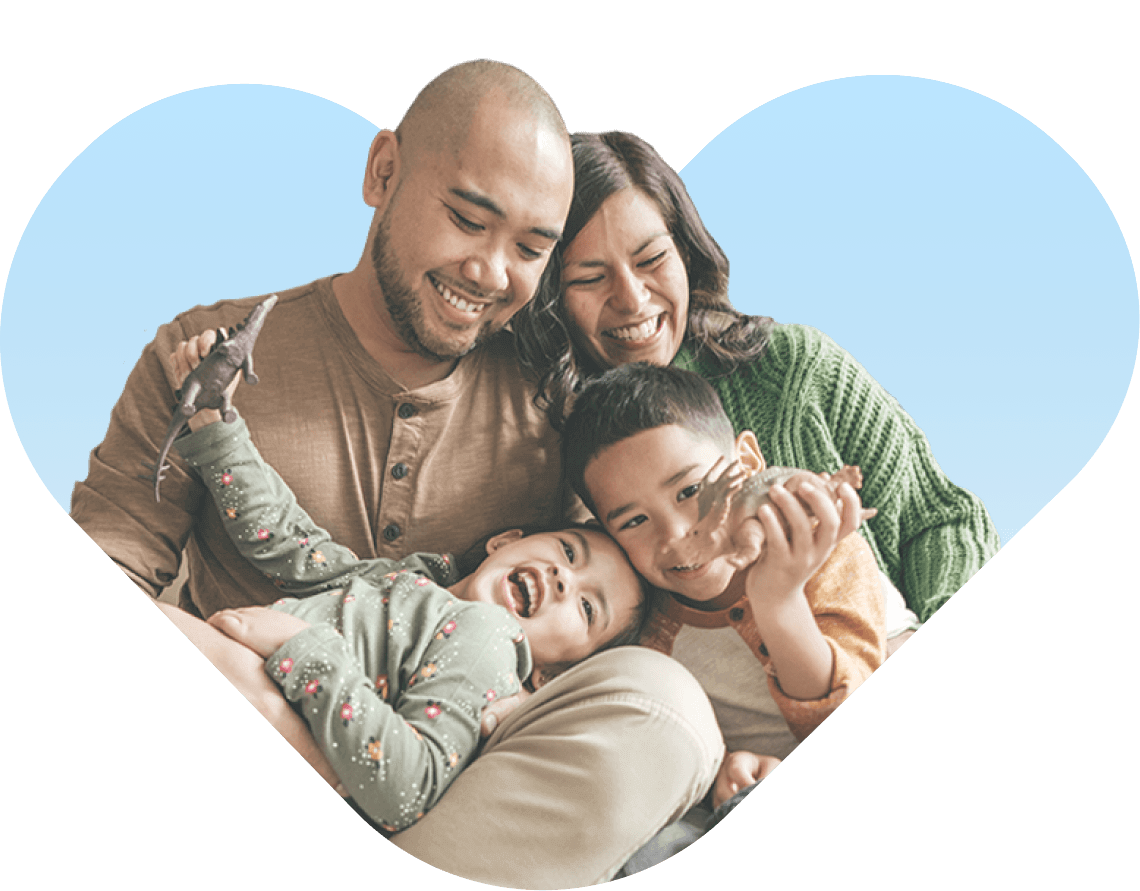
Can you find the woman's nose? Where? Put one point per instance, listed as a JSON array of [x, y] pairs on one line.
[[630, 293]]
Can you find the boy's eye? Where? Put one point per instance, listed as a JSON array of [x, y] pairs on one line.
[[589, 610], [688, 491], [568, 551], [633, 522], [583, 282]]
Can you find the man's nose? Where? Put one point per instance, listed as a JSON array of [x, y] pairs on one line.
[[487, 270]]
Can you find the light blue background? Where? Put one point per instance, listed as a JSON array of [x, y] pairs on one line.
[[945, 241]]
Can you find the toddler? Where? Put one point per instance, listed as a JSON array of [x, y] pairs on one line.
[[390, 663]]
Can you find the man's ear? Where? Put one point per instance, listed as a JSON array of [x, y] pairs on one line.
[[748, 452], [382, 172], [497, 541]]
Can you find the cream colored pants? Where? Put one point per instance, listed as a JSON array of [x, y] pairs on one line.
[[578, 778]]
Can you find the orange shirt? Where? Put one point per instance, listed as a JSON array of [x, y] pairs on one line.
[[846, 599]]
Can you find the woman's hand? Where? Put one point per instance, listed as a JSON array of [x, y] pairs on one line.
[[738, 770], [260, 628]]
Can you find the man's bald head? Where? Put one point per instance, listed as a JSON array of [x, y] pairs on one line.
[[442, 113]]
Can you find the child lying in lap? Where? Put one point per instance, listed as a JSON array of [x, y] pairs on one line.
[[390, 663], [777, 640]]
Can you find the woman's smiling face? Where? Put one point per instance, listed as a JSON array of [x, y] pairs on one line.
[[624, 284]]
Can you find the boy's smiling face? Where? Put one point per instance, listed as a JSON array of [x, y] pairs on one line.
[[644, 489]]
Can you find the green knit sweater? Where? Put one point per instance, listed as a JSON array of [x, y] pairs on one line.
[[811, 405]]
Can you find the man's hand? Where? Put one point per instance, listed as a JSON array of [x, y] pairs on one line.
[[738, 770], [185, 359], [260, 628]]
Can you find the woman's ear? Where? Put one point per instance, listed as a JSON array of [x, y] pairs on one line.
[[748, 452], [503, 538]]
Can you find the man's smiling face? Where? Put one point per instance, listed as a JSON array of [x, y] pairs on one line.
[[465, 235]]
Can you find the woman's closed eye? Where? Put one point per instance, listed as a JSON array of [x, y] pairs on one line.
[[645, 264]]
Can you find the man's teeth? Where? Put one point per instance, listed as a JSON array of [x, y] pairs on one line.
[[635, 332], [458, 302], [687, 568]]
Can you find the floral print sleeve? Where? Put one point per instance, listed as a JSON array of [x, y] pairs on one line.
[[261, 515], [397, 740]]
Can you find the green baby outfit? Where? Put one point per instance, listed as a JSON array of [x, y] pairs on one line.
[[393, 672]]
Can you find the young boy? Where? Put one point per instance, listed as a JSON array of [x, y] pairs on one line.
[[777, 644], [391, 662]]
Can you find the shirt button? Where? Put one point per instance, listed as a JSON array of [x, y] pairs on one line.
[[400, 470], [736, 614], [391, 532], [406, 410]]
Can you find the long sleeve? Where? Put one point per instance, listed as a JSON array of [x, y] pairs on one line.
[[397, 741], [813, 406], [845, 599], [261, 515]]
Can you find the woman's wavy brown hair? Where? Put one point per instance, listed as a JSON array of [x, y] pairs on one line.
[[605, 163]]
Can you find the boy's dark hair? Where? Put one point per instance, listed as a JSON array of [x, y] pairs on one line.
[[630, 399], [630, 635]]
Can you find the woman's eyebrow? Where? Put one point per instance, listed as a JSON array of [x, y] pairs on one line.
[[652, 238]]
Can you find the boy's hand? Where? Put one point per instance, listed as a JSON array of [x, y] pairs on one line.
[[260, 628], [185, 359], [738, 770], [797, 542]]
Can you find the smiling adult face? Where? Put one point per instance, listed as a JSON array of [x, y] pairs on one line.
[[625, 287], [464, 231]]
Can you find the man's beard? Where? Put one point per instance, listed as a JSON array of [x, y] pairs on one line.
[[405, 308]]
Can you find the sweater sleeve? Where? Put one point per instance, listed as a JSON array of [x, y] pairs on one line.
[[934, 535], [261, 515], [396, 748], [847, 603], [930, 535]]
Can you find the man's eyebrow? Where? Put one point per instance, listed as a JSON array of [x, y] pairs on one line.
[[640, 248], [481, 200], [602, 599], [679, 475]]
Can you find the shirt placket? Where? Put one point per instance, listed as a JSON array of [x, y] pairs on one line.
[[409, 432]]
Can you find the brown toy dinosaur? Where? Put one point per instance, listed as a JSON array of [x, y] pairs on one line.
[[206, 385], [729, 496]]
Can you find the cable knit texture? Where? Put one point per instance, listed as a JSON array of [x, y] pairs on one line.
[[811, 405]]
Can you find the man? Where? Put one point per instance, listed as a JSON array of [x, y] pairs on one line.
[[393, 405]]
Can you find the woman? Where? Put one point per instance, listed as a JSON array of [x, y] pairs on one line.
[[637, 277]]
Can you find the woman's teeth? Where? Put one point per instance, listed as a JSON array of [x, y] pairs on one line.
[[458, 302], [636, 332]]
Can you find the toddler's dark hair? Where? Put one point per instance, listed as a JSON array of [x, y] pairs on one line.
[[630, 635], [632, 398]]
